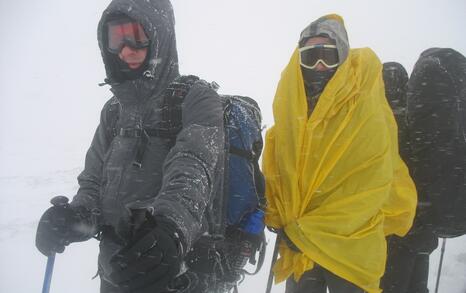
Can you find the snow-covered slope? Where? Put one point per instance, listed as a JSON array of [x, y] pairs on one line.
[[22, 267]]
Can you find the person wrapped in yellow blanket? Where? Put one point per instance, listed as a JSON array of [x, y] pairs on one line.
[[335, 183]]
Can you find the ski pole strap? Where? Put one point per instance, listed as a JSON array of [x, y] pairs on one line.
[[48, 274]]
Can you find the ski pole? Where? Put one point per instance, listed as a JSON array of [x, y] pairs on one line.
[[48, 274], [442, 252], [274, 259]]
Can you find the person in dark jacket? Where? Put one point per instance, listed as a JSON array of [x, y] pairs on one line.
[[148, 198], [407, 265], [396, 81], [434, 150]]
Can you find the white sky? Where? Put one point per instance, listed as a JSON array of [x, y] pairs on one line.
[[50, 63], [49, 47]]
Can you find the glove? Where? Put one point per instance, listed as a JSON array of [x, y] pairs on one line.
[[59, 226], [151, 261]]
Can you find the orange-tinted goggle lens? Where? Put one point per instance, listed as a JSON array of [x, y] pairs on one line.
[[126, 33]]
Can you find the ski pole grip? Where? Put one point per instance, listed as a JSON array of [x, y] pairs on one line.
[[138, 217], [60, 201]]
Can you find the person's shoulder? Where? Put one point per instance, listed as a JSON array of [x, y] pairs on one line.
[[113, 101], [111, 104], [204, 85], [202, 89], [365, 61], [110, 108], [202, 104], [366, 54]]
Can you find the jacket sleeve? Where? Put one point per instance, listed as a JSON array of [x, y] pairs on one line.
[[87, 198], [194, 167]]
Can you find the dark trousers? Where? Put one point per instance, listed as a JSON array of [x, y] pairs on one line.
[[189, 282], [407, 271], [318, 280], [106, 287]]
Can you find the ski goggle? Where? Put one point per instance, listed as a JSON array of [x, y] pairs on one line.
[[126, 33], [310, 56]]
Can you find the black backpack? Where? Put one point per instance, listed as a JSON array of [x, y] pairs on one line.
[[243, 214], [436, 117]]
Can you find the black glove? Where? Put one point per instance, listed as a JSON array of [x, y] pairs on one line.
[[151, 261], [59, 226]]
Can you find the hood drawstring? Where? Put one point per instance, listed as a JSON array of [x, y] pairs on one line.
[[150, 72], [106, 81], [109, 82]]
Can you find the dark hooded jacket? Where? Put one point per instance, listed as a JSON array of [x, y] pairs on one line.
[[315, 81], [396, 79], [179, 182]]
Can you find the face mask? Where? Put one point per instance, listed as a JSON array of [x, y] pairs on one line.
[[315, 81]]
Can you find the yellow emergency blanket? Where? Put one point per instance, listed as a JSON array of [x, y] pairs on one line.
[[334, 181]]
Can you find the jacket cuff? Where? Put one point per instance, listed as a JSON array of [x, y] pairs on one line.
[[173, 230], [185, 225]]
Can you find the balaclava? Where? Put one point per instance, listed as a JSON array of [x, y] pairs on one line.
[[315, 81], [332, 27]]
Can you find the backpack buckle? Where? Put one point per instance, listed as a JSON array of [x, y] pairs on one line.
[[130, 132]]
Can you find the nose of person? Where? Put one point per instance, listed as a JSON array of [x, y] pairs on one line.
[[127, 51]]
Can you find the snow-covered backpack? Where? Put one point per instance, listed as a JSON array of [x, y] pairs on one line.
[[243, 188], [436, 116]]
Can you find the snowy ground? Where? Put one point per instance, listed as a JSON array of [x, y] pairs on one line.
[[23, 198]]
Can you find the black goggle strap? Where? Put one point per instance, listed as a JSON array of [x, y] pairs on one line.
[[310, 56]]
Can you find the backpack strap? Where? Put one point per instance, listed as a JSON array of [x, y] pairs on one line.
[[250, 156], [113, 114], [172, 106], [171, 111], [259, 179], [260, 262], [171, 123]]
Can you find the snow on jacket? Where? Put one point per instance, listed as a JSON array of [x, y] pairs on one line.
[[435, 115], [334, 181], [178, 182]]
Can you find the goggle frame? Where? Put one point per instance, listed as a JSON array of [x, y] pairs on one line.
[[302, 49]]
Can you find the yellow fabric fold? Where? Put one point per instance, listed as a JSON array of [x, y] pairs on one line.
[[335, 181]]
